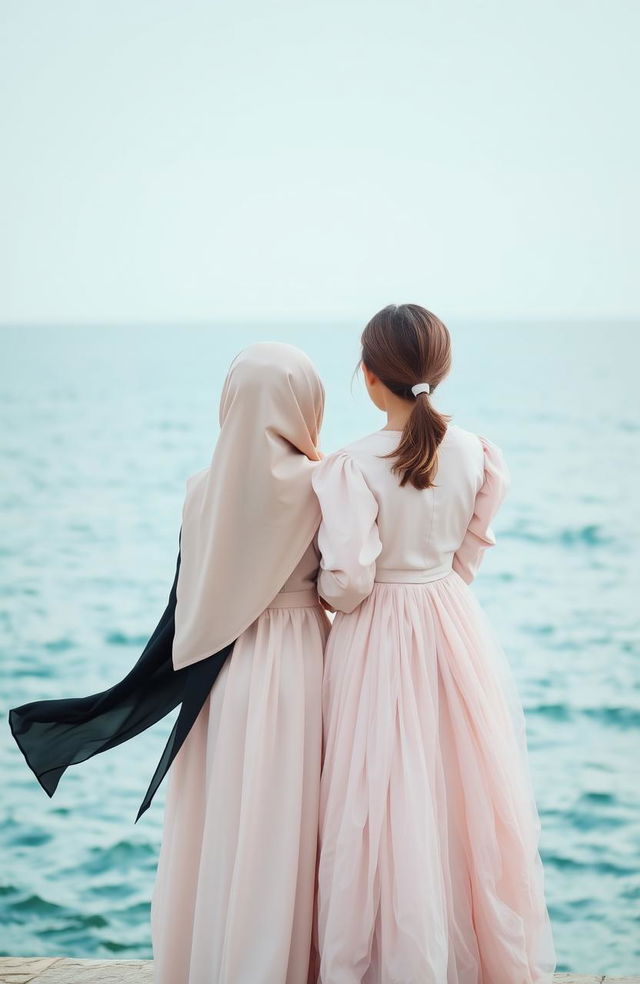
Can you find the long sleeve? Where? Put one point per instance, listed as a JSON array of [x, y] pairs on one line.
[[348, 536], [479, 534]]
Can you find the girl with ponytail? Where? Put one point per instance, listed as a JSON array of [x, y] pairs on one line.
[[429, 870]]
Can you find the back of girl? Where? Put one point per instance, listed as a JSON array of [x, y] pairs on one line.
[[233, 899], [429, 869]]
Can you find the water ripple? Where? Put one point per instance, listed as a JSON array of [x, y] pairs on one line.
[[91, 503]]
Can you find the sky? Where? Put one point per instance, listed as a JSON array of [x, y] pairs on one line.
[[194, 161]]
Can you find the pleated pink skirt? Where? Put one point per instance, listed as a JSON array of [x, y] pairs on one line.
[[429, 871], [233, 899]]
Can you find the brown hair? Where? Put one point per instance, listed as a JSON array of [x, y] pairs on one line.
[[403, 345]]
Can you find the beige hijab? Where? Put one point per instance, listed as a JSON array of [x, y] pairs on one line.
[[249, 517]]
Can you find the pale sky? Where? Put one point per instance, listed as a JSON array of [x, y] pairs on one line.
[[202, 161]]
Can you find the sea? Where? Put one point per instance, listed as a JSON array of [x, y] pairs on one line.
[[99, 428]]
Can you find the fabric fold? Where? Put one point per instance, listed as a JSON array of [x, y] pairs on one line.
[[426, 783], [55, 734], [490, 496], [256, 492]]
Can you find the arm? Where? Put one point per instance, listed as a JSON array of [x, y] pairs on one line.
[[348, 535], [479, 534]]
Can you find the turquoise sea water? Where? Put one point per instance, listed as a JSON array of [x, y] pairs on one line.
[[99, 429]]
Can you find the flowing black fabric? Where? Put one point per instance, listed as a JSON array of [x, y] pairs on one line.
[[54, 734]]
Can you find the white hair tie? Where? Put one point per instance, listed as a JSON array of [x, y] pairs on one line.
[[421, 388]]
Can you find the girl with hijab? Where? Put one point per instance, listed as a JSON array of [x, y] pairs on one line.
[[233, 898], [240, 648]]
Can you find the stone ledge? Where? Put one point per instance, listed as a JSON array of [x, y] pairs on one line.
[[65, 970]]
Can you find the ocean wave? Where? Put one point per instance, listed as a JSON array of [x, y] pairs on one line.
[[588, 535], [618, 717]]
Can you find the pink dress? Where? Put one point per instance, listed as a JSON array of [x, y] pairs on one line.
[[233, 899], [429, 870]]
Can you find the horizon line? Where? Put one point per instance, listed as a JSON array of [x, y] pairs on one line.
[[502, 320]]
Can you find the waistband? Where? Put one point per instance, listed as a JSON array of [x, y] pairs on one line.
[[307, 598], [412, 577]]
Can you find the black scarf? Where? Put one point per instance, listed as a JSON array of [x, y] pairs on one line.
[[54, 734]]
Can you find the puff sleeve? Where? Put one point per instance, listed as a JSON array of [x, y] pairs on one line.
[[348, 536], [489, 498]]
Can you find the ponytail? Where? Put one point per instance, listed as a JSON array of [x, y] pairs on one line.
[[403, 346], [416, 457]]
